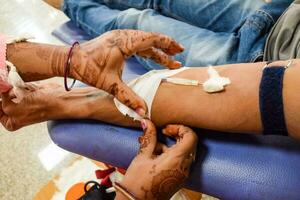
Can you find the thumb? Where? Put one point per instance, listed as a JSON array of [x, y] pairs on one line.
[[186, 138], [148, 140]]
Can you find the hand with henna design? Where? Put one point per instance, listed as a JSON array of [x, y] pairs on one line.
[[43, 102], [37, 105], [100, 61], [158, 171]]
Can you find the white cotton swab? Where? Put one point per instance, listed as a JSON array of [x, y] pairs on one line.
[[215, 83]]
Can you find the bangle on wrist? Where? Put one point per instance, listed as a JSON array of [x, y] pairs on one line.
[[67, 68], [120, 188]]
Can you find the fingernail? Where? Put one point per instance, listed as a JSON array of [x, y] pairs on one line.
[[144, 124], [141, 112], [178, 64], [181, 46], [140, 139]]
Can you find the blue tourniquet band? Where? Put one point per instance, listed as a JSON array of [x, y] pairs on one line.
[[271, 101]]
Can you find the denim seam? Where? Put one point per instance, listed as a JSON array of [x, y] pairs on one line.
[[256, 55], [267, 15], [252, 22]]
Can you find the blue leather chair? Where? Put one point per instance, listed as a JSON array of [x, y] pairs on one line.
[[228, 166]]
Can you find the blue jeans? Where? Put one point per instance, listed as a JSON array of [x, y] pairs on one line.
[[213, 32]]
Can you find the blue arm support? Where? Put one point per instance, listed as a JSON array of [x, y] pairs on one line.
[[228, 166]]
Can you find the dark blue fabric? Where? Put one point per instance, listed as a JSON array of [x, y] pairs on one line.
[[271, 101]]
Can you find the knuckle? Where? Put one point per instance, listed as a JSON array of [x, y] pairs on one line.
[[11, 126], [114, 89], [7, 109], [185, 129], [192, 137], [151, 131]]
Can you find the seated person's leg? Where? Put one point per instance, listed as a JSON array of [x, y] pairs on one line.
[[217, 16], [94, 18], [246, 44], [196, 108], [203, 47]]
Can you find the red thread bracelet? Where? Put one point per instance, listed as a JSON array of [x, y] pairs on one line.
[[67, 68]]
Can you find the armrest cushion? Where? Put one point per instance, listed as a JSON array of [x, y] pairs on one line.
[[228, 166]]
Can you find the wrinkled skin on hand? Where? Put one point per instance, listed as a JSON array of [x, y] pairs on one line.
[[158, 172], [100, 62], [36, 106]]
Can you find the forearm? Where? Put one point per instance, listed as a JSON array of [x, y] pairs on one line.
[[234, 110], [36, 61], [91, 103]]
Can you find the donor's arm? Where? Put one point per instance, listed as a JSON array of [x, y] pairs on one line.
[[234, 110]]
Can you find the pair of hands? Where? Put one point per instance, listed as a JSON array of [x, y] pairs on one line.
[[101, 63], [39, 104], [158, 171]]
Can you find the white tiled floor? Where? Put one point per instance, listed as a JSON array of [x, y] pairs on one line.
[[30, 16], [22, 173]]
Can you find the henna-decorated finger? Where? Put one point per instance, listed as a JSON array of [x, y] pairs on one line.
[[128, 97], [160, 57], [148, 140], [186, 138], [167, 44], [132, 41]]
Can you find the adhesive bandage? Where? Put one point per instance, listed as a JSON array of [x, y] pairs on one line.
[[215, 83], [147, 85]]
